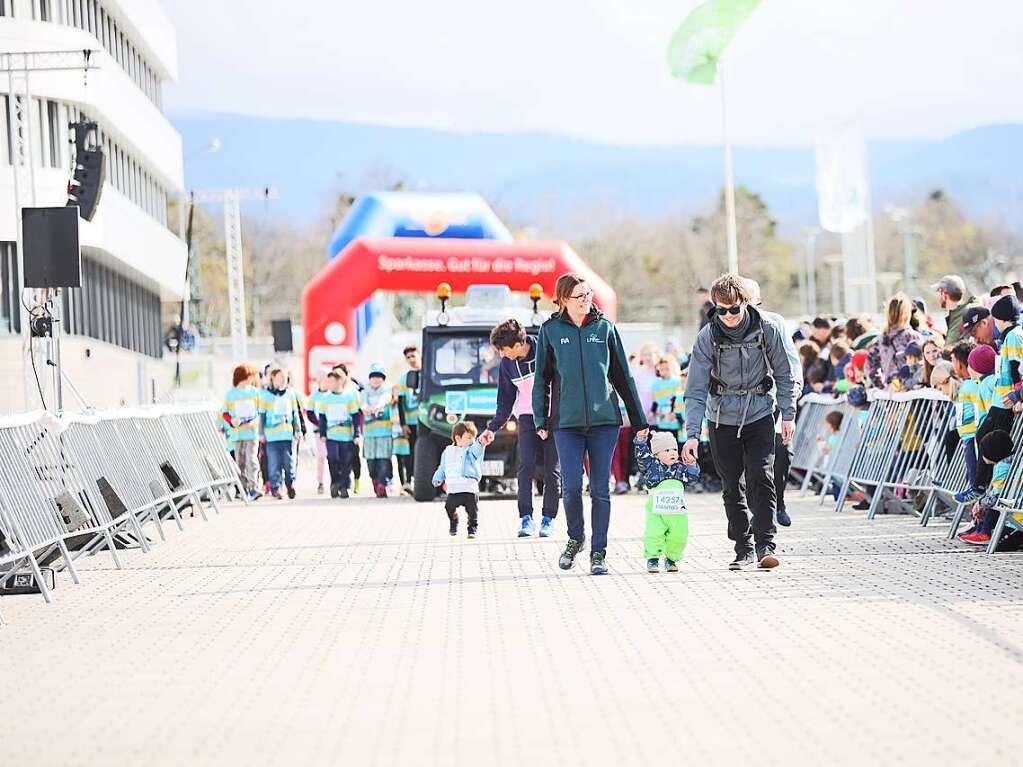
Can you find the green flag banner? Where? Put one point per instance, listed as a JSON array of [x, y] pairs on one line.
[[697, 45]]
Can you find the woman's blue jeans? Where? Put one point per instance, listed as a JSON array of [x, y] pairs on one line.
[[598, 442]]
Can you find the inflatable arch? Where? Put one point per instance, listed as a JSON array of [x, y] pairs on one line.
[[367, 264], [412, 214]]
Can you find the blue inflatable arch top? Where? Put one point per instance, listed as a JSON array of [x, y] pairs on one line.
[[412, 214]]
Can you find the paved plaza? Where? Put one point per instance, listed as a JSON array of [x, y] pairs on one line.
[[328, 632]]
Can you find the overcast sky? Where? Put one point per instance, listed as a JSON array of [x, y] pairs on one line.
[[596, 68]]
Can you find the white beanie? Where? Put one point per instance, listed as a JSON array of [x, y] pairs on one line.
[[662, 440]]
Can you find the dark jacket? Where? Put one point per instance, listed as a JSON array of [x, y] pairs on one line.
[[954, 320], [511, 375], [580, 374], [656, 472]]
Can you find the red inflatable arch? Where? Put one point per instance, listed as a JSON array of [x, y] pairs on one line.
[[368, 264]]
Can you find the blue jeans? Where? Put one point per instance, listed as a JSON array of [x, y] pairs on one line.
[[533, 451], [573, 444], [970, 455], [278, 459]]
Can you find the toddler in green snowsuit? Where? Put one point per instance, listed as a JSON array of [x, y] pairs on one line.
[[667, 519]]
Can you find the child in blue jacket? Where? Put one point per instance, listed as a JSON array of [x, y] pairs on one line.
[[461, 468], [667, 519]]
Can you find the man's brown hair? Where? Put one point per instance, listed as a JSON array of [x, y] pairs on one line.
[[729, 289], [463, 427], [507, 334]]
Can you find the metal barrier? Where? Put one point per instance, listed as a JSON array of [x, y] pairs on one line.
[[895, 456], [806, 457], [75, 484]]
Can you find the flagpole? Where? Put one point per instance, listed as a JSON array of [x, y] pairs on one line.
[[733, 248]]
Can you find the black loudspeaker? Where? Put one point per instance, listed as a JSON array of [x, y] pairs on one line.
[[52, 255], [90, 166], [282, 335]]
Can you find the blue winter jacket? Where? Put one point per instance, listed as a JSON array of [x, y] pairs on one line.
[[656, 472], [471, 469]]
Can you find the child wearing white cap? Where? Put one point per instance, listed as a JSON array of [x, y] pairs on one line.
[[667, 519]]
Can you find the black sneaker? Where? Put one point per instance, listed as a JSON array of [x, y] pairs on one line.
[[766, 560], [783, 518], [653, 565], [568, 555], [472, 531], [342, 493], [670, 565], [597, 565], [453, 526], [862, 505], [741, 561], [334, 491]]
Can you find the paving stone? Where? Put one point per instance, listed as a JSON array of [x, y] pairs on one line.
[[359, 632]]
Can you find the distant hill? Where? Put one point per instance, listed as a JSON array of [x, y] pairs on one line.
[[558, 179]]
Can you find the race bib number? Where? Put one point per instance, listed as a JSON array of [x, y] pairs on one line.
[[282, 407], [668, 502], [337, 413], [245, 409]]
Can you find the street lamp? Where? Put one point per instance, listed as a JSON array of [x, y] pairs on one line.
[[903, 221]]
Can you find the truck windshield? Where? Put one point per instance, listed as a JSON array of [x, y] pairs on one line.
[[464, 361]]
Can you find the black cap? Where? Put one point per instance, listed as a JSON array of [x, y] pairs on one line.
[[997, 446], [821, 323], [974, 315], [1006, 309]]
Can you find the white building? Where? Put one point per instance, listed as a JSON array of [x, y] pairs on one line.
[[132, 258]]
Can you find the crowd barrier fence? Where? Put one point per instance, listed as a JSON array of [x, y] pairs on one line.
[[83, 482], [895, 455]]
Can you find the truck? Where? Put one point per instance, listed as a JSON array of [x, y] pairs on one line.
[[458, 381]]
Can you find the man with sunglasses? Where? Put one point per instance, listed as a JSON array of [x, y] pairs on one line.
[[738, 374]]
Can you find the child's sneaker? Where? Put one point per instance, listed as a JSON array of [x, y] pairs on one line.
[[255, 495], [472, 531], [355, 485], [967, 496], [335, 490], [527, 528], [545, 527], [597, 564], [342, 492], [453, 526], [319, 489], [977, 539], [670, 565], [291, 492], [653, 565], [277, 494]]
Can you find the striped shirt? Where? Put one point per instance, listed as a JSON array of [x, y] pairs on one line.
[[241, 403]]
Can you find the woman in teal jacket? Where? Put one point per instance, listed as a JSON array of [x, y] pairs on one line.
[[581, 371]]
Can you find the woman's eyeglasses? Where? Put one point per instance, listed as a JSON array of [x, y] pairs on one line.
[[729, 309], [582, 296]]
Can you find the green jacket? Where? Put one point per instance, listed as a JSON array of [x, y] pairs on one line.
[[954, 319], [580, 374]]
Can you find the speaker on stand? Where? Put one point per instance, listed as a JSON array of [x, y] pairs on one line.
[[283, 337], [53, 261]]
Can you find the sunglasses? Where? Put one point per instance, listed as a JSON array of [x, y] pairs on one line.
[[729, 309]]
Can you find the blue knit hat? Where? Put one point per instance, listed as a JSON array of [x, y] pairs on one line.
[[857, 396]]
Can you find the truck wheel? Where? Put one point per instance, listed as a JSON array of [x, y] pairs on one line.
[[426, 458]]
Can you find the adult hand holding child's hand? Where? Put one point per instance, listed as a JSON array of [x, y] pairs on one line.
[[691, 451]]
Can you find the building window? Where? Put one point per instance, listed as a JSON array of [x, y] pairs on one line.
[[10, 312]]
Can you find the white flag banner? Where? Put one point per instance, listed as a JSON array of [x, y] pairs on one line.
[[841, 181]]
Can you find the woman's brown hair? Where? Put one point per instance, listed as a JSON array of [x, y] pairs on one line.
[[565, 286], [900, 309]]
